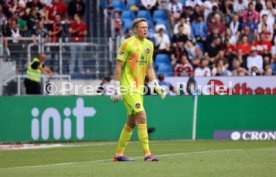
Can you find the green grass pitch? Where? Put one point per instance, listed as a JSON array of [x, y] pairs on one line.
[[177, 159]]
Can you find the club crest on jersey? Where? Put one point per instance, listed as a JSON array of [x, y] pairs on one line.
[[137, 105], [148, 51]]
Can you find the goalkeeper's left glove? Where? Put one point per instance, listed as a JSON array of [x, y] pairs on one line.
[[116, 95], [161, 91]]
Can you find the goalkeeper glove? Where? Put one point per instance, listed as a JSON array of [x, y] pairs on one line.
[[161, 91], [116, 94]]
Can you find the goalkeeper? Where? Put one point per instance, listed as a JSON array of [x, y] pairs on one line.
[[134, 61]]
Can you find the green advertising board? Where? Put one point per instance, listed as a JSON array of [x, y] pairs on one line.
[[61, 118]]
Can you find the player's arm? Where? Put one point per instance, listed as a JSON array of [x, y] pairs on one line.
[[118, 70], [116, 95], [154, 83]]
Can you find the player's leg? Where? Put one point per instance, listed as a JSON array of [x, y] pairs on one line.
[[125, 136], [141, 120]]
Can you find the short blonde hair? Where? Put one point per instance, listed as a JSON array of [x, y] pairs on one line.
[[137, 21]]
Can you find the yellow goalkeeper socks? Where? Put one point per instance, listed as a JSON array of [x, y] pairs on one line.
[[143, 138], [124, 139]]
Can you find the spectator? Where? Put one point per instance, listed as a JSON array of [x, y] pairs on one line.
[[199, 31], [268, 26], [263, 46], [78, 31], [220, 69], [269, 12], [35, 5], [237, 70], [213, 49], [244, 46], [76, 6], [162, 42], [127, 34], [149, 5], [268, 71], [216, 22], [250, 36], [255, 62], [191, 50], [215, 11], [183, 67], [193, 3], [273, 64], [208, 5], [3, 21], [177, 51], [203, 69], [39, 31], [259, 5], [240, 5], [268, 35], [235, 25], [180, 36], [56, 30], [32, 18], [168, 86], [117, 24], [250, 23], [163, 4], [227, 9], [185, 27], [250, 12], [56, 33], [14, 46], [175, 10], [58, 7]]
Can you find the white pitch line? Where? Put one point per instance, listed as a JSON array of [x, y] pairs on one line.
[[110, 160]]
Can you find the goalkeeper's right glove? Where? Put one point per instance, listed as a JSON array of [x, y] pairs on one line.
[[161, 91], [116, 93]]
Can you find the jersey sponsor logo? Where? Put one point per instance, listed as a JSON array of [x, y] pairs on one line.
[[137, 105]]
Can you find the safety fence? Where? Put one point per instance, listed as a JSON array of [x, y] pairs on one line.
[[91, 59]]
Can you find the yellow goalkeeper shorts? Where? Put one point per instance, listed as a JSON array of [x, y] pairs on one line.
[[133, 103]]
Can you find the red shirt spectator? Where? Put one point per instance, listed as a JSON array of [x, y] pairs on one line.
[[183, 68], [78, 29], [58, 7], [263, 46], [244, 46]]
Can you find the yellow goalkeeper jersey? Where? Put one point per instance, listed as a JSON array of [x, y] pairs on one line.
[[137, 55]]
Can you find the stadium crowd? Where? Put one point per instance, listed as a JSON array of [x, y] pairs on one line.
[[204, 37], [51, 20]]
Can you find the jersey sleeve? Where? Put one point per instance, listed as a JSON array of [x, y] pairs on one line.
[[123, 51]]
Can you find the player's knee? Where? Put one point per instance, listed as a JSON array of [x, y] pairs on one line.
[[141, 117]]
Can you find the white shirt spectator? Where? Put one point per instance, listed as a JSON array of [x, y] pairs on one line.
[[162, 41], [202, 72], [193, 3], [270, 16], [150, 3], [186, 29], [224, 71], [239, 7], [175, 8], [255, 61], [269, 27]]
